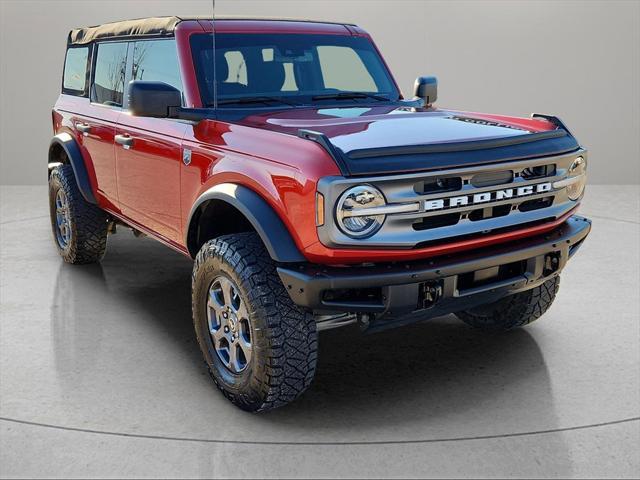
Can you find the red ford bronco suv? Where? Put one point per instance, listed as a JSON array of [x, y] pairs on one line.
[[283, 158]]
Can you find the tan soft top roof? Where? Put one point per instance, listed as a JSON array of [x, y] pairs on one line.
[[151, 26]]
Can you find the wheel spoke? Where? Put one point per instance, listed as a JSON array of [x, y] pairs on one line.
[[226, 290], [242, 312], [246, 350], [218, 335], [233, 358], [224, 352], [216, 300]]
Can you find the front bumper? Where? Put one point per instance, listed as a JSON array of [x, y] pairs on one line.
[[399, 291]]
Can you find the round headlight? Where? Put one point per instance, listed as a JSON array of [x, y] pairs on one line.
[[353, 212], [578, 173]]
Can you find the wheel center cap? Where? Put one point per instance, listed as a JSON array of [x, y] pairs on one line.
[[232, 324]]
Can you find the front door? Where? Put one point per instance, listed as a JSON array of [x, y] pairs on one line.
[[149, 150]]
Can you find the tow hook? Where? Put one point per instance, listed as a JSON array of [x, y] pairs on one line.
[[430, 293], [364, 320]]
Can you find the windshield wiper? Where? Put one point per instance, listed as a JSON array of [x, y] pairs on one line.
[[258, 99], [349, 96]]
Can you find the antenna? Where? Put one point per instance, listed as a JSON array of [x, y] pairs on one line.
[[213, 42]]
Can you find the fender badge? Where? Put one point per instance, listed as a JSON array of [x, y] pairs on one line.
[[186, 156]]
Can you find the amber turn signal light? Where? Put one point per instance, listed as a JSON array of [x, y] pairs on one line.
[[319, 209]]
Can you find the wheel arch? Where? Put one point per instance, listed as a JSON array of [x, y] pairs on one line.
[[231, 208], [63, 149]]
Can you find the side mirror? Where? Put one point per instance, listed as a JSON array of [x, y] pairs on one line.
[[153, 99], [426, 88]]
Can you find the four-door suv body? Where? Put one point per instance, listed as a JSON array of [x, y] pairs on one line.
[[282, 157]]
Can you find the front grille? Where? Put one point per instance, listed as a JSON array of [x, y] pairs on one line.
[[459, 203]]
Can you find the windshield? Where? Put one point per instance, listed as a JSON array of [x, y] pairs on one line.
[[291, 69]]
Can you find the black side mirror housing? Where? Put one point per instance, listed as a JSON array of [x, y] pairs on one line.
[[153, 99], [426, 88]]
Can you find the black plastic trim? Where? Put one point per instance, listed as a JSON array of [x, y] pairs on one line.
[[70, 147], [389, 163], [262, 217], [325, 143], [553, 119], [455, 146], [306, 284]]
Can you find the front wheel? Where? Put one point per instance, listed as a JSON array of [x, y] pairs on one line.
[[513, 311], [259, 347]]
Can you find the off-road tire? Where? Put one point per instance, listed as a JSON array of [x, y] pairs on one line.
[[513, 311], [283, 336], [88, 223]]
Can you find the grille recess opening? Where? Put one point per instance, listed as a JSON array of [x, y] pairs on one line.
[[438, 185], [489, 212], [536, 204], [492, 178], [539, 171], [437, 221]]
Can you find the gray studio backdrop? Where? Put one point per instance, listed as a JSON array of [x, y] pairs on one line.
[[577, 60]]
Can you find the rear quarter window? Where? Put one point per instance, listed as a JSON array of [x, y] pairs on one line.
[[76, 66]]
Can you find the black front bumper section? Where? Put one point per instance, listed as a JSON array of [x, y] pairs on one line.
[[405, 292]]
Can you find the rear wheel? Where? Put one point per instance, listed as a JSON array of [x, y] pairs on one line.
[[259, 347], [79, 227], [513, 311]]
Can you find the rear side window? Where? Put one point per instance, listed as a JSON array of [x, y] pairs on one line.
[[76, 64], [110, 72], [157, 60]]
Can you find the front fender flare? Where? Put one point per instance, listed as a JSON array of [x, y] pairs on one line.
[[258, 212], [71, 149]]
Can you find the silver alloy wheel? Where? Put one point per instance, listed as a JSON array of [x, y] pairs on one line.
[[229, 325], [63, 223]]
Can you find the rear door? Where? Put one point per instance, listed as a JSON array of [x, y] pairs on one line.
[[96, 126], [149, 150]]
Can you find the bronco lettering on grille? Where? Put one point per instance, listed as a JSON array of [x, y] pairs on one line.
[[484, 197]]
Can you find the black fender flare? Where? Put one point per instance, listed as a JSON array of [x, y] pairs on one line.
[[258, 212], [71, 149]]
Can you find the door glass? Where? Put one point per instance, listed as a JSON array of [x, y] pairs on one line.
[[157, 60], [108, 82]]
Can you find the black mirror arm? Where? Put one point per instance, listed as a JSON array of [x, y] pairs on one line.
[[190, 114]]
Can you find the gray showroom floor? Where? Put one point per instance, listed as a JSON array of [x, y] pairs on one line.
[[100, 374]]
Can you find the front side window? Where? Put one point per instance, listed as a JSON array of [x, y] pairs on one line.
[[110, 73], [156, 60], [75, 71], [294, 68]]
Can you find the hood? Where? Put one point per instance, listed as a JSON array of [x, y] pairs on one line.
[[373, 140]]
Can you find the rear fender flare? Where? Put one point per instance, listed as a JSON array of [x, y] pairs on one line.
[[73, 153]]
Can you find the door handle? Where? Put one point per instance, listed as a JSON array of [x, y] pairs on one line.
[[125, 140], [85, 128]]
